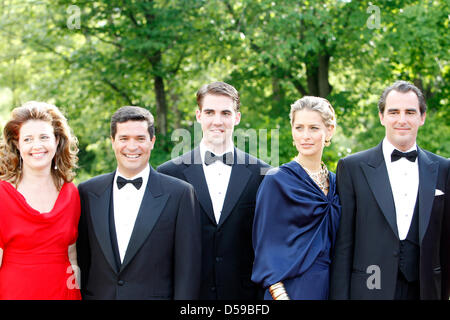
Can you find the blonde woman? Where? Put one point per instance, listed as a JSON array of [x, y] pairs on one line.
[[40, 206], [297, 211]]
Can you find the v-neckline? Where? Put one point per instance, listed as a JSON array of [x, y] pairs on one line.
[[32, 210], [326, 196]]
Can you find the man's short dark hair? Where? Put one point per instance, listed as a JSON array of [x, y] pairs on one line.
[[221, 89], [132, 113], [403, 87]]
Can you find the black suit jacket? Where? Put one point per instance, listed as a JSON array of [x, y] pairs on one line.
[[227, 252], [368, 234], [163, 256]]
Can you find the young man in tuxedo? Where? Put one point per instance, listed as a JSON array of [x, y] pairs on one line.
[[393, 241], [225, 180], [139, 232]]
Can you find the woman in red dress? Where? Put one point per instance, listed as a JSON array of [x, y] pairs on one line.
[[39, 207]]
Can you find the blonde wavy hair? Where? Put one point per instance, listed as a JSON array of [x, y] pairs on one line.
[[321, 105], [65, 157]]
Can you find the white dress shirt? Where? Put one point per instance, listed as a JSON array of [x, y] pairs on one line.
[[127, 202], [404, 179], [217, 176]]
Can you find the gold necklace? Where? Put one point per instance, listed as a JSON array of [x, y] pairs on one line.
[[320, 177]]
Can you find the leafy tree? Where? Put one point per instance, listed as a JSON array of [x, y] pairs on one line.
[[95, 56]]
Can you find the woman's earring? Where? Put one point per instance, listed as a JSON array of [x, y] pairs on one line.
[[327, 142]]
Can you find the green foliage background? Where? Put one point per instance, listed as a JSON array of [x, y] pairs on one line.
[[91, 57]]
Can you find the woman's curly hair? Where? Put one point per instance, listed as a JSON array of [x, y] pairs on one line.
[[65, 158]]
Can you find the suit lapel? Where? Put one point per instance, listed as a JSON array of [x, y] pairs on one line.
[[238, 180], [99, 205], [428, 171], [377, 177], [196, 177], [151, 208]]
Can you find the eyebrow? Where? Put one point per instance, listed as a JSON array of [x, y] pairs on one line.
[[307, 124], [396, 109], [224, 110], [40, 134], [131, 135]]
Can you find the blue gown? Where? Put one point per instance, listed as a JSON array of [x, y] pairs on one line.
[[294, 231]]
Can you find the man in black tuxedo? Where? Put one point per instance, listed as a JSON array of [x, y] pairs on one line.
[[226, 180], [139, 231], [394, 237]]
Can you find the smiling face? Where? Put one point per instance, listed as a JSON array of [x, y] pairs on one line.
[[132, 147], [217, 117], [309, 133], [402, 119], [37, 145]]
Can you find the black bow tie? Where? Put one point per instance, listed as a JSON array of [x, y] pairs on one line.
[[226, 158], [411, 156], [121, 182]]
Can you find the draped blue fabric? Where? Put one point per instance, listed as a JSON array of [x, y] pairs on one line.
[[293, 232]]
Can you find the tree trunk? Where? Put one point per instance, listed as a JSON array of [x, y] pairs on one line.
[[174, 100], [312, 75], [278, 96], [317, 72], [324, 85], [277, 91], [161, 105]]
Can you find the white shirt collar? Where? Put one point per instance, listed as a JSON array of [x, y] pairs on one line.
[[388, 148], [204, 148], [144, 174]]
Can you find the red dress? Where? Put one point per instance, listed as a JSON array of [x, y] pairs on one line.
[[35, 261]]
